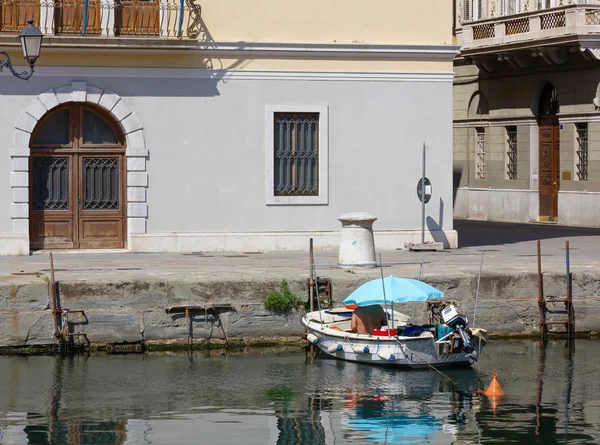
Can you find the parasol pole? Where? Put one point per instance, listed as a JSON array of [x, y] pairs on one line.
[[317, 292], [384, 299], [419, 278]]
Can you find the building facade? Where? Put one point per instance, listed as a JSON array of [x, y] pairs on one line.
[[225, 125], [526, 111]]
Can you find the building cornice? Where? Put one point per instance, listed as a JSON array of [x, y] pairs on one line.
[[566, 118], [494, 121], [198, 73], [61, 44], [331, 50]]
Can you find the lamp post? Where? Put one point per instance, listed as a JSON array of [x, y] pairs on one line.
[[31, 42]]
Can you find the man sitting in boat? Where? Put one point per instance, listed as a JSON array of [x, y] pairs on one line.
[[367, 318]]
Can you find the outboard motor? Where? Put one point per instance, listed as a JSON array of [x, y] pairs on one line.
[[455, 319]]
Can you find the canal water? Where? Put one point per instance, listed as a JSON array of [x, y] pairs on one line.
[[552, 396]]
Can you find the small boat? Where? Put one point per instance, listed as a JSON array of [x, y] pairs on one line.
[[448, 343]]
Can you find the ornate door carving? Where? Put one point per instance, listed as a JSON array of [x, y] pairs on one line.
[[549, 171]]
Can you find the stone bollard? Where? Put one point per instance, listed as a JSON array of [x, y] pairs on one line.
[[357, 245]]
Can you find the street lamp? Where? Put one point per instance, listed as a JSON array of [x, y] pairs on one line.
[[31, 42]]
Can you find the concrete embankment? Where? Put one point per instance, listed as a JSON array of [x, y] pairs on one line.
[[132, 314]]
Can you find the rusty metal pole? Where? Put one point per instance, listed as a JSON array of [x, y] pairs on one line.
[[541, 303], [569, 300], [53, 296], [311, 283]]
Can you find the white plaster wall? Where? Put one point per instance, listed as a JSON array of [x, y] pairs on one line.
[[493, 204], [213, 150], [206, 142], [579, 208], [574, 208]]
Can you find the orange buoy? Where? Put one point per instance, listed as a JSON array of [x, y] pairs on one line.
[[494, 390]]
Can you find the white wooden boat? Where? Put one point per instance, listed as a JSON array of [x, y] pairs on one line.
[[447, 344]]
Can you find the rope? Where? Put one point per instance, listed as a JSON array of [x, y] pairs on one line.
[[424, 362]]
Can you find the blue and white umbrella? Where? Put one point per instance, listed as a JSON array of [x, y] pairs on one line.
[[397, 290]]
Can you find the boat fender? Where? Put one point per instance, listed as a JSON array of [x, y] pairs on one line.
[[312, 338], [387, 355], [360, 349], [334, 348]]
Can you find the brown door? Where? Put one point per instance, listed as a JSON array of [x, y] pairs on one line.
[[549, 170], [77, 181], [137, 17], [15, 13]]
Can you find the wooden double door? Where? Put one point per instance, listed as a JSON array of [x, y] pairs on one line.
[[77, 181], [549, 169]]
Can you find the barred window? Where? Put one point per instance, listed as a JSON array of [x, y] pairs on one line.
[[582, 151], [511, 152], [296, 146], [480, 154]]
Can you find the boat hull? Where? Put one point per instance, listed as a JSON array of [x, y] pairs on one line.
[[400, 352]]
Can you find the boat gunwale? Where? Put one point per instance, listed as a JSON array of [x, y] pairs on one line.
[[356, 336]]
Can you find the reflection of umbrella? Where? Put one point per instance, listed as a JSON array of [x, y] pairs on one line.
[[397, 429], [393, 425], [397, 290]]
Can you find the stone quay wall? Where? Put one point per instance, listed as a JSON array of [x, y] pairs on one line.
[[131, 315]]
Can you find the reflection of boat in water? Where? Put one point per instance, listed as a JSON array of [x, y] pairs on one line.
[[447, 343], [398, 407]]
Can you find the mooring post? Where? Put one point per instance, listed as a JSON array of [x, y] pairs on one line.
[[569, 300], [541, 302], [188, 323], [53, 296]]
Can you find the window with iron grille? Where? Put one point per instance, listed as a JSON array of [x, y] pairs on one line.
[[511, 152], [582, 151], [480, 154], [296, 145], [466, 16]]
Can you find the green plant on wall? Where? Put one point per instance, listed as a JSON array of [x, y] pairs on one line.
[[281, 300]]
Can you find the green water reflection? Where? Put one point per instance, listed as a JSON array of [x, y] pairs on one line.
[[268, 397]]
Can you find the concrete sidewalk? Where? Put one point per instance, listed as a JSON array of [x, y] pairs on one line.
[[508, 249]]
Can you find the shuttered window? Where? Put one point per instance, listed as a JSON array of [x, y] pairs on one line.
[[511, 152], [480, 154], [296, 157], [582, 151]]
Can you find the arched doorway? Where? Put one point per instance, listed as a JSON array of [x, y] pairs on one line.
[[549, 154], [77, 180]]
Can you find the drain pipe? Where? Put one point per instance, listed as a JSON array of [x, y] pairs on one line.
[[55, 310]]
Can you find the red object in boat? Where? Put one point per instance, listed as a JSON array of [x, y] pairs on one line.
[[383, 332]]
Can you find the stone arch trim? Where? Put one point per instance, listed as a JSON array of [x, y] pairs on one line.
[[536, 95], [136, 152], [482, 108]]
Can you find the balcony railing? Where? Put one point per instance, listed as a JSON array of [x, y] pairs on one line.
[[571, 20], [108, 18]]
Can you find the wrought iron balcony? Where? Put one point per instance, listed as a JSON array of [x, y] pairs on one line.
[[575, 26], [157, 19]]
